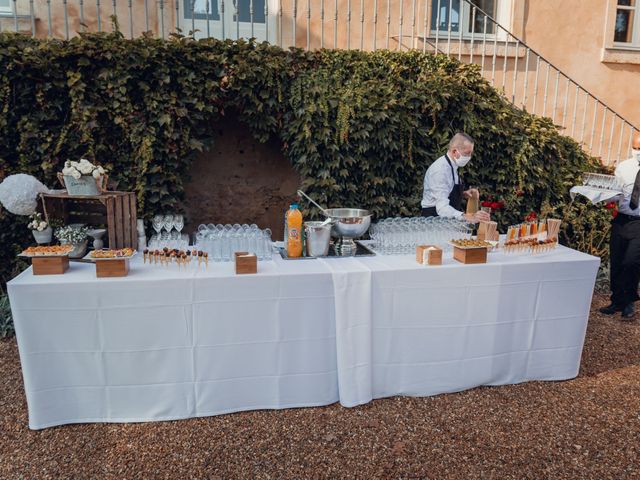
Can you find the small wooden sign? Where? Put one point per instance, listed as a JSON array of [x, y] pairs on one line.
[[112, 268], [246, 263], [482, 231], [470, 255], [488, 231], [428, 255], [50, 265]]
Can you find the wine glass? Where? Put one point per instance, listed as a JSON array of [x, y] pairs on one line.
[[178, 223], [157, 223], [168, 223]]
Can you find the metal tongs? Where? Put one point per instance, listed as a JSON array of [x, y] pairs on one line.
[[324, 211]]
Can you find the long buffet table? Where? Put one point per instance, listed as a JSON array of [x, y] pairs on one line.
[[167, 343]]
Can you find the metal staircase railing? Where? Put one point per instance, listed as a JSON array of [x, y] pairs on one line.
[[459, 28]]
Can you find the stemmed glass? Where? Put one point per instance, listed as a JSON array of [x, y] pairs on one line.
[[168, 226], [157, 223], [168, 223], [178, 223]]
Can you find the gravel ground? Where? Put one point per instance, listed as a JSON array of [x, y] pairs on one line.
[[584, 428]]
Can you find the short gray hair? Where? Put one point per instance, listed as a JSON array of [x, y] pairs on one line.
[[459, 139]]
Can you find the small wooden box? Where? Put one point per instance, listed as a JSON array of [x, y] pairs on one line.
[[50, 265], [470, 255], [112, 268], [434, 256], [246, 263]]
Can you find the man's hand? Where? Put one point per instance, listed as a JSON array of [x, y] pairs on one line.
[[471, 193], [479, 216]]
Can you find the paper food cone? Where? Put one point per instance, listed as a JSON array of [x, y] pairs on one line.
[[492, 230]]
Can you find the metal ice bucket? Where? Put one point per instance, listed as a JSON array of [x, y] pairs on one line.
[[317, 238]]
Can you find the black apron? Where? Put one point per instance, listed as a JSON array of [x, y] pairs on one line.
[[455, 197]]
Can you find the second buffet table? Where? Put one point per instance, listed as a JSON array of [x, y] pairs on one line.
[[167, 343]]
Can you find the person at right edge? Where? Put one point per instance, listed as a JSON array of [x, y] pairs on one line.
[[624, 246]]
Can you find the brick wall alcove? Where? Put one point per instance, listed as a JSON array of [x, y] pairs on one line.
[[240, 180]]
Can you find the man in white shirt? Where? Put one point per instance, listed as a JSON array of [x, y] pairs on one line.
[[624, 245], [443, 190]]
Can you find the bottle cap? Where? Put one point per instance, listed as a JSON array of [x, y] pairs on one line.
[[293, 205]]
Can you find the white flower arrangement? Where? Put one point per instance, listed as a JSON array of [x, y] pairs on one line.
[[37, 223], [83, 167], [71, 234]]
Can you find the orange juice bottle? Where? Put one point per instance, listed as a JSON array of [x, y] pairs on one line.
[[293, 231]]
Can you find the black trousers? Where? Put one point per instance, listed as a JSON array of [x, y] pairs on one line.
[[625, 259], [429, 212]]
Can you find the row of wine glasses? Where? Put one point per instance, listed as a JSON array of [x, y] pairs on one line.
[[179, 241], [168, 223], [599, 180], [397, 236], [222, 241], [169, 234]]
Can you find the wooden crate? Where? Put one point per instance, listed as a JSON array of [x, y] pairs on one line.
[[112, 268], [49, 265], [470, 255], [116, 210]]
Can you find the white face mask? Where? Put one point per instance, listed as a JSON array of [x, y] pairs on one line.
[[462, 160], [636, 154]]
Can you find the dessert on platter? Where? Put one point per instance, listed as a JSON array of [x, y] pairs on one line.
[[182, 258], [470, 243], [47, 251], [115, 254]]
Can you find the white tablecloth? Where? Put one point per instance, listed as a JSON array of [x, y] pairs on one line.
[[166, 344]]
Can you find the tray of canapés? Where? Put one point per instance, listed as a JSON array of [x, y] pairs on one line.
[[470, 244], [47, 251], [110, 254], [182, 258]]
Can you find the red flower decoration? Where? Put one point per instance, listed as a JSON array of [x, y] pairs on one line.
[[501, 203], [614, 213], [486, 203], [611, 205], [531, 217], [495, 205]]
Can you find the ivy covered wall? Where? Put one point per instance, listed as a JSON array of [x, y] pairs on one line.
[[360, 128]]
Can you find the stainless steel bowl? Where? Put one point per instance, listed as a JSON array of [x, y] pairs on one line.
[[349, 222]]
